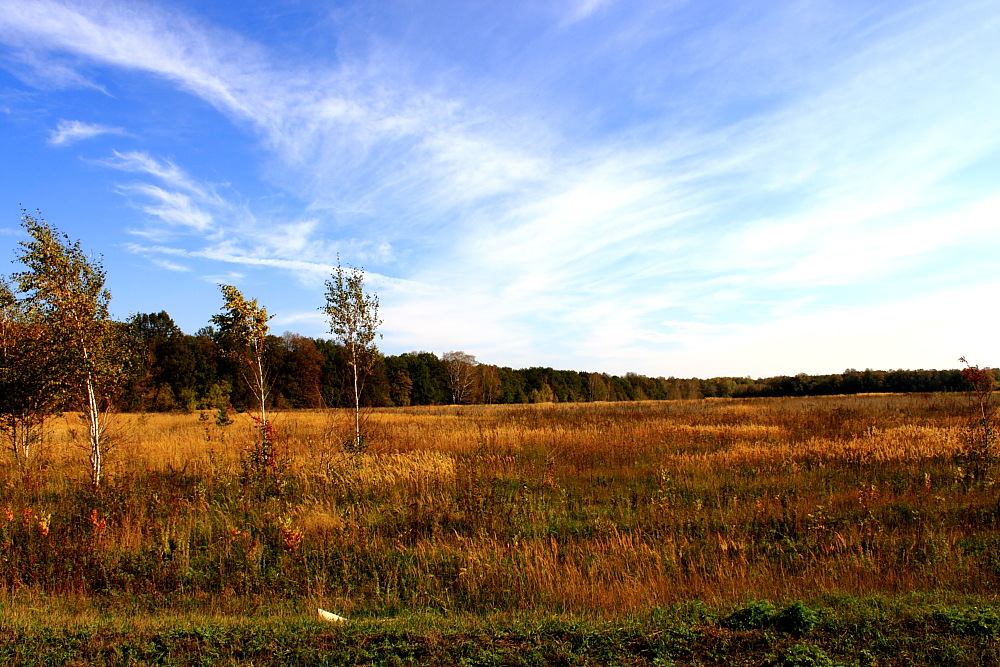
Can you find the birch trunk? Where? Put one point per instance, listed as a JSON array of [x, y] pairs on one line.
[[95, 432], [357, 401]]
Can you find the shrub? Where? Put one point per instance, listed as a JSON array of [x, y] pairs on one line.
[[755, 616], [796, 619]]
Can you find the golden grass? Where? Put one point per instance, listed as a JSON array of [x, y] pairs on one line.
[[604, 508]]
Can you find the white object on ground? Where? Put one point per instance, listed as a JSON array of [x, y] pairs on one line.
[[325, 615]]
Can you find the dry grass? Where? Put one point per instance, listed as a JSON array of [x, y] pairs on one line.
[[598, 508]]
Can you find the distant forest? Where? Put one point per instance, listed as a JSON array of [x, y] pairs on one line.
[[178, 371]]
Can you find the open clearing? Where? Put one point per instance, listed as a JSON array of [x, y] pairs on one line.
[[629, 533]]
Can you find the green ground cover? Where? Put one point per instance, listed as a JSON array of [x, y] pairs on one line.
[[909, 630]]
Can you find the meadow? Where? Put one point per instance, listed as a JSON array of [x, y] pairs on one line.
[[723, 518]]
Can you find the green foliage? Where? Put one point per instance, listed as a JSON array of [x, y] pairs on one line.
[[61, 284], [972, 622], [353, 314], [796, 619], [755, 616], [243, 324], [277, 632], [802, 655], [217, 398], [311, 373]]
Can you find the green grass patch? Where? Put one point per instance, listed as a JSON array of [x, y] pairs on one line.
[[906, 630]]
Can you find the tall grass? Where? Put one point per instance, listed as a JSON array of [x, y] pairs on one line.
[[603, 509]]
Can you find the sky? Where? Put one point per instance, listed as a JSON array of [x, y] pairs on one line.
[[672, 188]]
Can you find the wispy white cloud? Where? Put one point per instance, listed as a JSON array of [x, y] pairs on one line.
[[70, 131], [138, 36], [163, 170], [309, 273], [838, 259], [46, 71], [581, 10], [171, 266], [227, 278], [178, 201], [227, 230], [174, 208], [356, 123], [735, 179]]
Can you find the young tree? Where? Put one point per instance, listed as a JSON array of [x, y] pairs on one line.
[[62, 291], [983, 385], [29, 379], [243, 332], [354, 322], [979, 454]]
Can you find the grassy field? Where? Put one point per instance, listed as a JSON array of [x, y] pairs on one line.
[[867, 527]]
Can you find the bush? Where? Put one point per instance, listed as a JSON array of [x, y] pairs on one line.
[[755, 616], [796, 619]]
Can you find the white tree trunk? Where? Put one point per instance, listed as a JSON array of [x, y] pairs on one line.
[[94, 424], [357, 400], [261, 387]]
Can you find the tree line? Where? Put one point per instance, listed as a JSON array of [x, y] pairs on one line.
[[60, 350], [189, 372]]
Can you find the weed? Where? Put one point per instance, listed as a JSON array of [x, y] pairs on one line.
[[802, 655], [969, 622], [755, 616], [796, 619]]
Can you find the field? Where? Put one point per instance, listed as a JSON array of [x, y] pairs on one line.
[[855, 530]]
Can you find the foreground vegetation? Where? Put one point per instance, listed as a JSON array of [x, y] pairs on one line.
[[643, 530], [907, 630]]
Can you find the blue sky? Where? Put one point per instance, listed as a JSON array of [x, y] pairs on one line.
[[670, 188]]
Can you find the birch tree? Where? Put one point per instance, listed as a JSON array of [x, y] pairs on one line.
[[461, 375], [354, 322], [62, 291], [243, 332]]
